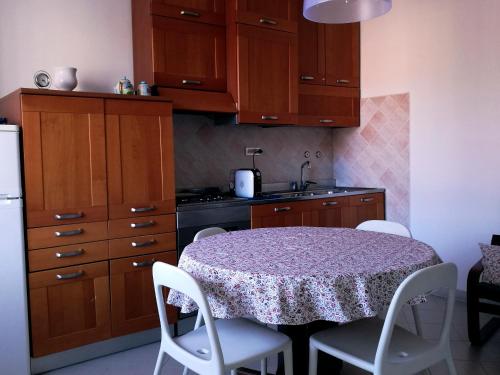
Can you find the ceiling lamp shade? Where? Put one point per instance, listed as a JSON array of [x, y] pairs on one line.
[[344, 11]]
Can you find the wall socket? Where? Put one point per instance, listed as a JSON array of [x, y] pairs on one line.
[[249, 151]]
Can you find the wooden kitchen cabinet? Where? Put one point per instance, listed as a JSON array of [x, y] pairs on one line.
[[276, 14], [207, 11], [265, 82], [189, 54], [287, 214], [139, 139], [312, 60], [69, 307], [62, 135], [324, 212], [362, 208], [133, 303]]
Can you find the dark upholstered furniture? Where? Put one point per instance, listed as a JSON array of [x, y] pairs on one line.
[[487, 292]]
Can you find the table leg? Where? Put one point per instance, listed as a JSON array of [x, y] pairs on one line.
[[327, 365]]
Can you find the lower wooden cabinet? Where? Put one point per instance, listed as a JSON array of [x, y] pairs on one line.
[[364, 207], [69, 307], [133, 302], [324, 212], [287, 214]]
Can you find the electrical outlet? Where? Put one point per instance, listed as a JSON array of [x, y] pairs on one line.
[[249, 151]]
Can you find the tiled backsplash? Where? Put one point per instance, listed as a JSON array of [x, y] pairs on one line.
[[377, 153], [205, 153]]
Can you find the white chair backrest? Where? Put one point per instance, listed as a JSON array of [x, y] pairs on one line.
[[166, 275], [207, 232], [417, 284], [384, 226]]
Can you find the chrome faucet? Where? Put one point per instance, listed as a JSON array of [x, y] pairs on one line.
[[305, 184]]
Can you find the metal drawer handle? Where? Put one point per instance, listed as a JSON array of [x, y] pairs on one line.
[[343, 81], [142, 209], [189, 13], [77, 215], [269, 117], [325, 121], [282, 209], [143, 244], [70, 254], [69, 233], [267, 21], [191, 82], [366, 200], [146, 263], [307, 78], [332, 203], [69, 276], [145, 224]]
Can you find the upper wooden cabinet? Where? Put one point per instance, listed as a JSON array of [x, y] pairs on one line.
[[342, 52], [264, 84], [139, 141], [275, 14], [311, 40], [189, 54], [64, 152], [208, 11]]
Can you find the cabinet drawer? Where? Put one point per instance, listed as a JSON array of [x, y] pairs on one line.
[[322, 204], [66, 234], [64, 256], [140, 226], [125, 247], [276, 209], [207, 11], [366, 199], [276, 14]]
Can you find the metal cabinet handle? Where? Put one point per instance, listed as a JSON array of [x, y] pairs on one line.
[[142, 209], [189, 13], [332, 203], [143, 244], [70, 254], [267, 21], [145, 224], [69, 233], [326, 121], [282, 209], [263, 117], [307, 78], [191, 82], [364, 200], [343, 81], [76, 215], [69, 276], [146, 263]]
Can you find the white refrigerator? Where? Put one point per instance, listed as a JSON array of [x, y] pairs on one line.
[[14, 334]]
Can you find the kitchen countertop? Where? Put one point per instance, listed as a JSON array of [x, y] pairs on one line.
[[278, 197]]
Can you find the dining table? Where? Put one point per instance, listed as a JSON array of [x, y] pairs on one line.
[[302, 279]]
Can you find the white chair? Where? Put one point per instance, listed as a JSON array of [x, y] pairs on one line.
[[383, 347], [207, 232], [219, 345], [391, 227]]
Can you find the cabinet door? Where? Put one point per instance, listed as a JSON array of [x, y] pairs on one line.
[[267, 76], [189, 55], [64, 160], [362, 208], [311, 40], [328, 106], [324, 212], [140, 158], [208, 11], [287, 214], [133, 302], [69, 307], [275, 14], [342, 46]]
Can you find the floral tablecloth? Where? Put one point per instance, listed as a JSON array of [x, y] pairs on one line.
[[297, 275]]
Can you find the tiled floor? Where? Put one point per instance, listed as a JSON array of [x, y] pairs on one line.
[[468, 360]]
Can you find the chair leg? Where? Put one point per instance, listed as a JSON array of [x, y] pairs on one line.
[[450, 364], [418, 321], [185, 371], [263, 366], [233, 372], [159, 362], [313, 360], [288, 359]]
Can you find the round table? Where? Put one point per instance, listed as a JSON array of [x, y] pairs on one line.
[[295, 276]]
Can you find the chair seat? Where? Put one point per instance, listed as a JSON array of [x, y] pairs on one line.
[[258, 341], [357, 342]]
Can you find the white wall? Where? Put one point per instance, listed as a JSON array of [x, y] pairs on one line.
[[95, 36], [446, 54]]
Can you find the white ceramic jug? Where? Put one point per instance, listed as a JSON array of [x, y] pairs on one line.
[[65, 78]]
